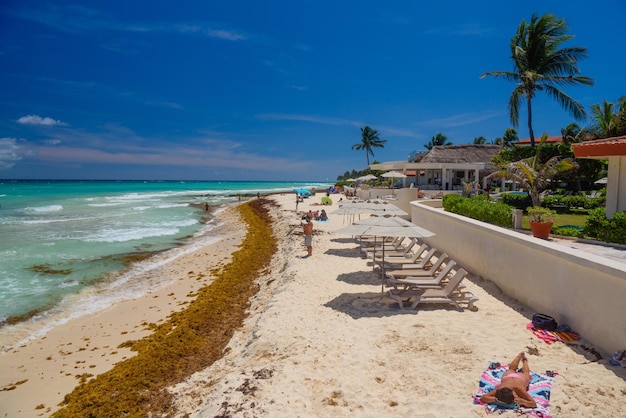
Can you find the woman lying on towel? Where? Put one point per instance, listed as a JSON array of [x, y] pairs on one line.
[[513, 387]]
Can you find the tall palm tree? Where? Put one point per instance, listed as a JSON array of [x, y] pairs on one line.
[[370, 138], [608, 120], [439, 139], [541, 65]]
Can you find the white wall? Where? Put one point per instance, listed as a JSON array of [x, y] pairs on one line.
[[582, 290], [616, 190]]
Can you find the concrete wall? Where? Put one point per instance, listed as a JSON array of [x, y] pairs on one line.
[[616, 187], [582, 290]]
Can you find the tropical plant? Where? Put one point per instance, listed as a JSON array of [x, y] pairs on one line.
[[572, 133], [370, 138], [479, 140], [510, 136], [533, 175], [608, 120], [540, 215], [439, 139], [541, 65]]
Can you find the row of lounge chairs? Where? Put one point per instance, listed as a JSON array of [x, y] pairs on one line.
[[416, 273]]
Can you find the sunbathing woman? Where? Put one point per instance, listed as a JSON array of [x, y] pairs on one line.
[[514, 386]]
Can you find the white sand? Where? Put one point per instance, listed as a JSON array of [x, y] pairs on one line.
[[321, 341]]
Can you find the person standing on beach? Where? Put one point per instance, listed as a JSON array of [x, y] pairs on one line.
[[307, 229]]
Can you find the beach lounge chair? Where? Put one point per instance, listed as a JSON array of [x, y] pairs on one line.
[[407, 259], [419, 278], [451, 293], [398, 251], [428, 266]]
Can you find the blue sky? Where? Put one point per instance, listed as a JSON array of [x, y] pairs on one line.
[[267, 90]]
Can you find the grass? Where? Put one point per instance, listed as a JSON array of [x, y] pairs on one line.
[[576, 218]]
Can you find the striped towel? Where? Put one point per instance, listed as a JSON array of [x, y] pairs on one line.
[[553, 336], [539, 389]]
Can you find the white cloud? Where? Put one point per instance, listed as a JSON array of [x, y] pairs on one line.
[[9, 153], [38, 120]]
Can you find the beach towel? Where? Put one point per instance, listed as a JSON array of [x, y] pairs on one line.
[[561, 335], [539, 389]]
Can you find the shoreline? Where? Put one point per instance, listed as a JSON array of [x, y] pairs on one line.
[[88, 346], [320, 340]]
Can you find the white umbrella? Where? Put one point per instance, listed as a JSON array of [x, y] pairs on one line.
[[603, 180], [351, 179], [385, 226], [367, 177], [394, 175], [375, 207]]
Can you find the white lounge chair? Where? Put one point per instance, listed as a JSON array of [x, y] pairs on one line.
[[419, 278], [451, 293]]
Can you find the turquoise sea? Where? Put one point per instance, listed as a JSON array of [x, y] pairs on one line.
[[68, 248]]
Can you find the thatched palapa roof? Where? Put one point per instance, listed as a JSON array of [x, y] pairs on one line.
[[466, 153]]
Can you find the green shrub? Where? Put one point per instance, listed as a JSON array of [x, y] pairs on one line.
[[518, 201], [598, 226], [481, 208], [568, 231], [573, 202]]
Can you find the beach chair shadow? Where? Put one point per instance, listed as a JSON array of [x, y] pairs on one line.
[[366, 305], [367, 278], [344, 252]]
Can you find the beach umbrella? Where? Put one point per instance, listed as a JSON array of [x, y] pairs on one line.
[[393, 175], [351, 179], [373, 207], [367, 177], [603, 180], [302, 191], [385, 226]]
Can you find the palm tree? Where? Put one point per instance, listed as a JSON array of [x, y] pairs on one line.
[[541, 66], [532, 175], [479, 140], [510, 136], [439, 139], [608, 120], [370, 138]]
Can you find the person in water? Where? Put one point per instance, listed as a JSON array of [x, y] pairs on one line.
[[513, 387]]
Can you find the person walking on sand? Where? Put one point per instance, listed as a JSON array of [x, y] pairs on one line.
[[513, 386], [307, 229]]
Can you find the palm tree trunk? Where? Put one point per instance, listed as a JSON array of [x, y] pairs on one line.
[[530, 123]]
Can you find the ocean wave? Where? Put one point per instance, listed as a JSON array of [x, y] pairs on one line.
[[123, 235], [41, 209]]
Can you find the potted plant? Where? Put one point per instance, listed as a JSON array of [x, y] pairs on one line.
[[541, 221]]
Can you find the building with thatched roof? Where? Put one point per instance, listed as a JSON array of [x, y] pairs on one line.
[[446, 167]]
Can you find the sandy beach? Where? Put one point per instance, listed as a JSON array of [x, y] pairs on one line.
[[35, 377], [320, 341]]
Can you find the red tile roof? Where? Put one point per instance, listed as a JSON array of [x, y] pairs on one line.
[[549, 140], [600, 147]]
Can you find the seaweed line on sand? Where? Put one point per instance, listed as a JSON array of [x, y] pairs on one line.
[[189, 341]]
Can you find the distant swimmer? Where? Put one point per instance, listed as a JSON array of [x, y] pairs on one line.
[[206, 206]]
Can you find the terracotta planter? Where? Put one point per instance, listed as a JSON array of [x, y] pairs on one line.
[[541, 229]]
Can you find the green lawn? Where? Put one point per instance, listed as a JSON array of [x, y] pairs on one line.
[[575, 217]]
